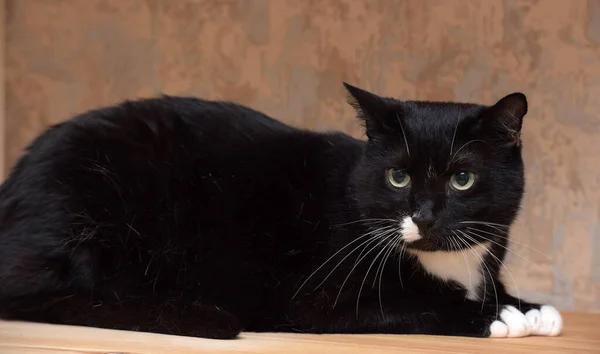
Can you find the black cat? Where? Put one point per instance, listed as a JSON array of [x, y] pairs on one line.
[[199, 218]]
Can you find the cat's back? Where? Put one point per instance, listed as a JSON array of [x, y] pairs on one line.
[[158, 117], [164, 134], [172, 163], [167, 130]]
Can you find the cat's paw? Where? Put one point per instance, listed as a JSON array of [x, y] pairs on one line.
[[546, 321], [510, 324]]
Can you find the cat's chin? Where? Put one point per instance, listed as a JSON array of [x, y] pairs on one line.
[[426, 245], [430, 244]]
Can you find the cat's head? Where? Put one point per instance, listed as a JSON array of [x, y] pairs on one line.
[[444, 175]]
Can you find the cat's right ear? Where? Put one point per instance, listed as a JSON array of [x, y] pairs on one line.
[[370, 108], [507, 118]]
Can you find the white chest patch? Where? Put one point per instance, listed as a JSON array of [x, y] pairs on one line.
[[464, 267]]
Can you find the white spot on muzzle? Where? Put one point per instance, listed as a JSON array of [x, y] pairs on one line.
[[409, 230]]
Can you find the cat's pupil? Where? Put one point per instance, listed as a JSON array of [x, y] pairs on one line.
[[399, 175], [462, 178]]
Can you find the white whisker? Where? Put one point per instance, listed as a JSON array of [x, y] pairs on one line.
[[393, 247], [462, 251], [500, 262], [454, 136], [505, 247], [400, 263], [484, 223], [488, 270], [374, 220], [384, 230], [403, 134], [510, 240], [381, 234], [383, 238], [380, 267], [335, 254], [369, 270], [465, 144]]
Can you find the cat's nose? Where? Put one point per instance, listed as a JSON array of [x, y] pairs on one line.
[[423, 220]]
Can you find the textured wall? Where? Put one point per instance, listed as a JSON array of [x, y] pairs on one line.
[[288, 58]]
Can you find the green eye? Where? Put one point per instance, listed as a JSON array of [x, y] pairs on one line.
[[462, 181], [398, 178]]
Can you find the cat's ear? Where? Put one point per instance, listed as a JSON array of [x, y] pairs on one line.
[[507, 118], [370, 108]]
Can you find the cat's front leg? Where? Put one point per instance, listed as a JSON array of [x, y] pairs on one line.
[[516, 318], [464, 318], [474, 319]]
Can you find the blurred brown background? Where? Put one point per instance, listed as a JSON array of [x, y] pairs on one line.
[[288, 58]]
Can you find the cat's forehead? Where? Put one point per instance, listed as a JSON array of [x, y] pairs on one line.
[[433, 134], [431, 122], [421, 116], [432, 164]]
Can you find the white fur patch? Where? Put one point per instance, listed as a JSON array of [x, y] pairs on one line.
[[546, 321], [498, 330], [409, 230], [512, 324], [462, 266]]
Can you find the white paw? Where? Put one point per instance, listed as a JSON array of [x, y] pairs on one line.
[[512, 324], [498, 330], [546, 321], [535, 320]]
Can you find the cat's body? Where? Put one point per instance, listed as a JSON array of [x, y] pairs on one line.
[[183, 216]]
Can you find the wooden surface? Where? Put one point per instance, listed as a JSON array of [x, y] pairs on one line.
[[581, 335]]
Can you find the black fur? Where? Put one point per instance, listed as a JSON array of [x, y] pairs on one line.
[[198, 218]]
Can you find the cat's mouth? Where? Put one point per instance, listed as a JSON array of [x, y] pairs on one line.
[[447, 241], [426, 245], [435, 244], [432, 240]]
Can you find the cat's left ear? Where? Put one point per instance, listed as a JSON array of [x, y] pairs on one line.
[[372, 109], [507, 118]]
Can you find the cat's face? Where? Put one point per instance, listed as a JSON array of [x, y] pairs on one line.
[[443, 175]]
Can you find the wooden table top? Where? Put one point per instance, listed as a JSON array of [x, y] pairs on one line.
[[581, 335]]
